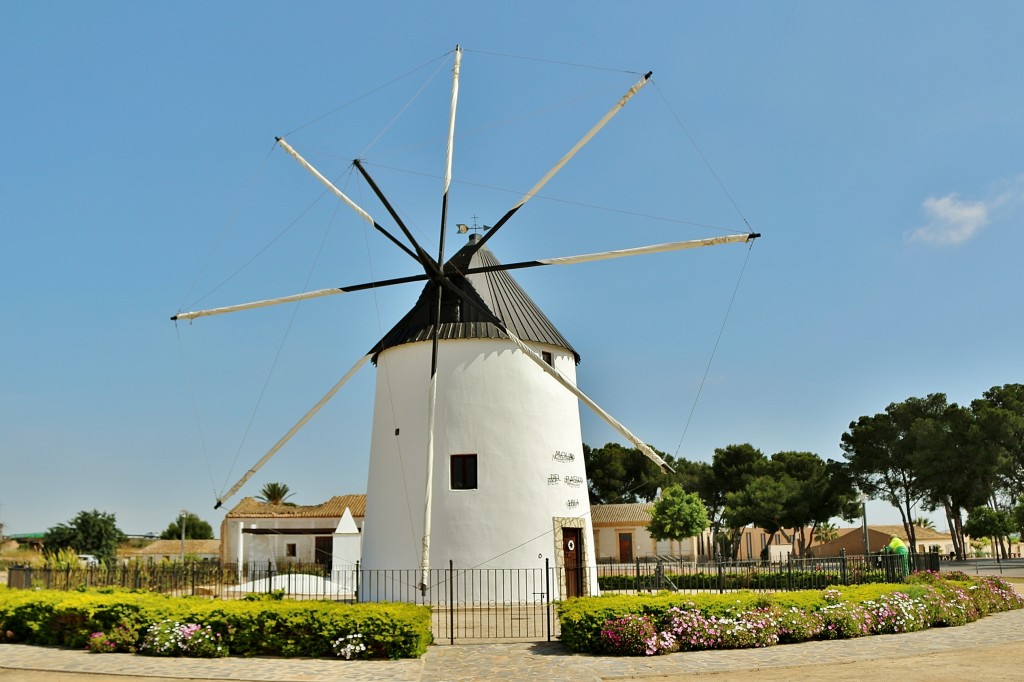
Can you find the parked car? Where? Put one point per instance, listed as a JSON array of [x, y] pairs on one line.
[[88, 561]]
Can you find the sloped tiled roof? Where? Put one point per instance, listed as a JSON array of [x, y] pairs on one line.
[[251, 508], [919, 532], [494, 291], [632, 512]]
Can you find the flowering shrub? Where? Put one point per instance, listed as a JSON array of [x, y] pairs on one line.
[[832, 596], [750, 629], [171, 638], [844, 620], [797, 625], [691, 629], [119, 640], [741, 619], [999, 594], [897, 612], [630, 635], [349, 647]]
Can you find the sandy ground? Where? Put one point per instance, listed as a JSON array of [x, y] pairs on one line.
[[1003, 662]]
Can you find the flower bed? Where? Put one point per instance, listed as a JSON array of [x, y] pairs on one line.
[[110, 621], [665, 623]]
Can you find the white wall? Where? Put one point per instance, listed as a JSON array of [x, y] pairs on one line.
[[525, 430], [259, 548]]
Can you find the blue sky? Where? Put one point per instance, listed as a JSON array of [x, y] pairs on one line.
[[876, 146]]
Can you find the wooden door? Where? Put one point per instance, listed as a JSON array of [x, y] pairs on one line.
[[572, 553], [625, 548]]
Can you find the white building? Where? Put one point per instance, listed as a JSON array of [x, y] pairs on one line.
[[256, 533], [508, 485]]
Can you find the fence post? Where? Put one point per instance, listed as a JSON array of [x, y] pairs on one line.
[[789, 572], [721, 576], [547, 594], [842, 566], [637, 574], [357, 582], [451, 601]]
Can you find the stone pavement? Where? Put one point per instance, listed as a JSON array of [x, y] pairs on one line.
[[994, 637]]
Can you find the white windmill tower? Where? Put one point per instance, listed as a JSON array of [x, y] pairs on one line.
[[476, 451]]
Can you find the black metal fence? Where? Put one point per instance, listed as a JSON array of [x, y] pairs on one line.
[[465, 603], [652, 574], [476, 603]]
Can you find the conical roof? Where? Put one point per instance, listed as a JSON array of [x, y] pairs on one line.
[[494, 291]]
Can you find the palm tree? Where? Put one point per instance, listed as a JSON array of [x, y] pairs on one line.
[[275, 493], [826, 532], [924, 522]]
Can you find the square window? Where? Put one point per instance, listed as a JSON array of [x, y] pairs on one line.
[[463, 472], [290, 550], [546, 355]]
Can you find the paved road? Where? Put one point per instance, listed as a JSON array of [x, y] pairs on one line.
[[989, 649]]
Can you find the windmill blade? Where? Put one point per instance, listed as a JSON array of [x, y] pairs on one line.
[[341, 195], [432, 405], [291, 432], [568, 155], [563, 260], [298, 297], [619, 253], [429, 266]]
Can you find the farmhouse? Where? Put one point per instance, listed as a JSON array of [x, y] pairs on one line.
[[256, 532]]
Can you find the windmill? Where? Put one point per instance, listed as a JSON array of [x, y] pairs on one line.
[[476, 449]]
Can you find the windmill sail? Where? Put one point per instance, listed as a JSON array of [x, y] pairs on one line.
[[532, 422]]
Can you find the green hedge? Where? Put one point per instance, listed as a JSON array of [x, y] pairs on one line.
[[944, 600], [248, 628]]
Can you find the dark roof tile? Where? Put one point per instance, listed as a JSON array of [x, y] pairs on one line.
[[494, 291]]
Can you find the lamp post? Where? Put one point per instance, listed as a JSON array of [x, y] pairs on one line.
[[864, 521], [184, 518]]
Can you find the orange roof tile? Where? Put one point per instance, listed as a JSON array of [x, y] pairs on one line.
[[632, 512], [250, 508]]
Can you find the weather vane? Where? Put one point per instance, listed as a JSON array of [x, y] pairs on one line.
[[464, 228]]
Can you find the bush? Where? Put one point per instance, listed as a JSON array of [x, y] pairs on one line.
[[630, 635], [171, 638], [122, 620], [652, 624]]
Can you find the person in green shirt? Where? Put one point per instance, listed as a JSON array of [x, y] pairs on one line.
[[899, 548]]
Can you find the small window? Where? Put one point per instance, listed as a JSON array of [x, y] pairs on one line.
[[463, 472], [546, 355], [289, 550]]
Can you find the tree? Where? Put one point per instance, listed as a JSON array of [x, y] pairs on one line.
[[985, 522], [764, 502], [731, 468], [677, 515], [275, 493], [886, 451], [797, 490], [92, 532], [617, 474], [924, 522], [195, 529], [957, 468], [822, 489], [1018, 517], [826, 532], [1000, 414]]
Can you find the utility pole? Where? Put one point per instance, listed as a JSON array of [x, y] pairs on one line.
[[184, 518], [864, 521]]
